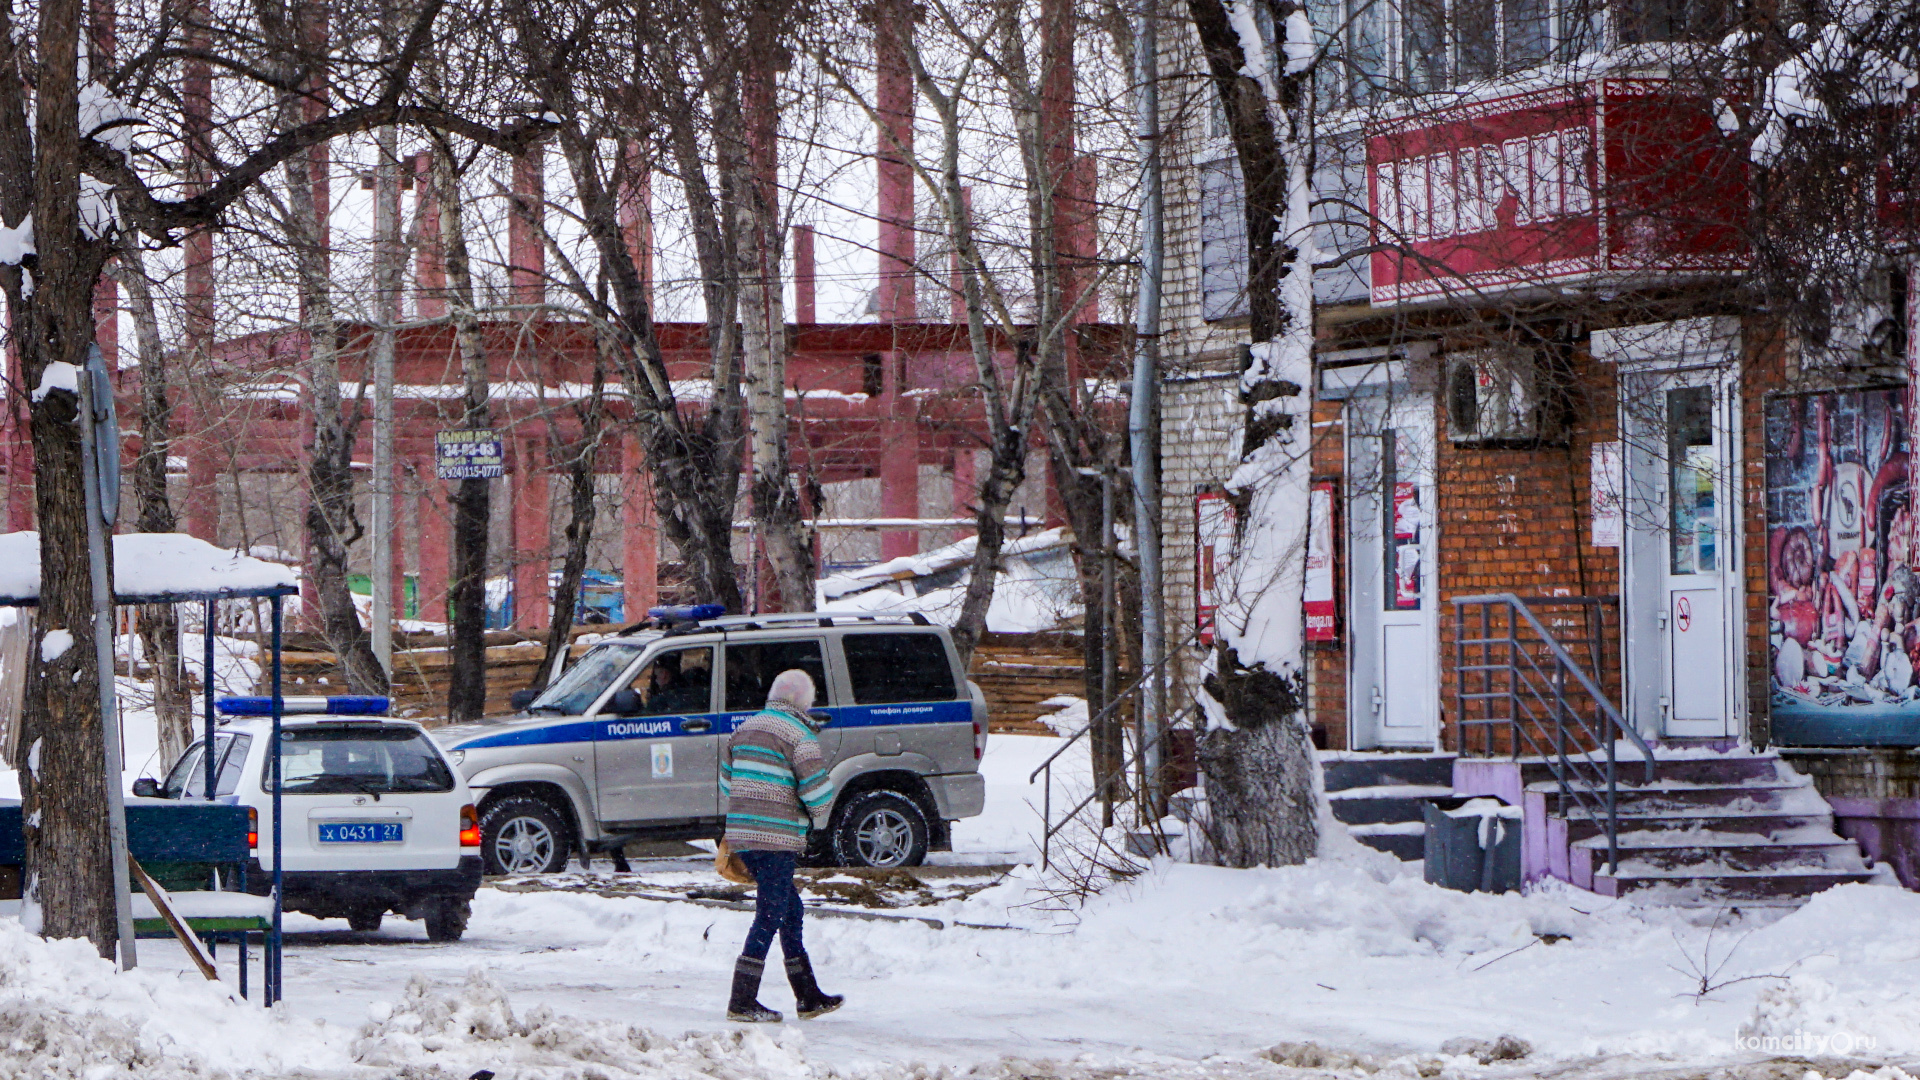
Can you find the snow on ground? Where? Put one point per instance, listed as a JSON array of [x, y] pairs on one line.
[[1186, 971]]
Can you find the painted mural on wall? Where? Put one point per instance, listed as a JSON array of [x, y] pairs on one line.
[[1843, 605]]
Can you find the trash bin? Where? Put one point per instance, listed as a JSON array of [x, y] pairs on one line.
[[1473, 844]]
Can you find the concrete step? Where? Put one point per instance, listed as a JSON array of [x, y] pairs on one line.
[[1363, 769], [1407, 845], [1671, 797], [1581, 825], [1709, 885]]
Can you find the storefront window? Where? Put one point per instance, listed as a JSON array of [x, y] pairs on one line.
[[1691, 499]]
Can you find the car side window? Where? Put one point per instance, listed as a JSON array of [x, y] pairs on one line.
[[752, 667], [886, 668], [674, 684], [189, 776], [183, 770]]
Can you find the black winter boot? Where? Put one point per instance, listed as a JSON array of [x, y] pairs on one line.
[[744, 1005], [807, 998]]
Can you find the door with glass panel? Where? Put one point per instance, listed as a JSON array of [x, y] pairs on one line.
[[1683, 563], [1393, 699]]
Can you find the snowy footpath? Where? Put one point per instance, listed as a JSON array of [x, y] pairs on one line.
[[1348, 966]]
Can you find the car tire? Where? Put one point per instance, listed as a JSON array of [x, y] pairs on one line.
[[365, 920], [447, 918], [882, 829], [524, 835]]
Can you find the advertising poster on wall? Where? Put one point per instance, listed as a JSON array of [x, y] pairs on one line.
[[1213, 546], [1321, 610], [1843, 600], [1406, 549]]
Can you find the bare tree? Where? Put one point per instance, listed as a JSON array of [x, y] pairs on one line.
[[79, 186]]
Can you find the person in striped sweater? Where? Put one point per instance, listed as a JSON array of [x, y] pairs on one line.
[[774, 782]]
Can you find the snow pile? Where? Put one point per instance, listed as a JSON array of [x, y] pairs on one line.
[[144, 564], [70, 1014], [58, 375], [106, 119], [454, 1033]]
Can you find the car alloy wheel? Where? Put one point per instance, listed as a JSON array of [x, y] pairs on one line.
[[524, 845], [884, 838]]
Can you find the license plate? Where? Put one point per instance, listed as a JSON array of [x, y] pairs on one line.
[[362, 832]]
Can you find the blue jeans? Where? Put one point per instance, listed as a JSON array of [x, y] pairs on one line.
[[776, 904]]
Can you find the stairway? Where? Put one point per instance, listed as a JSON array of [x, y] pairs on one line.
[[1379, 795], [1711, 828]]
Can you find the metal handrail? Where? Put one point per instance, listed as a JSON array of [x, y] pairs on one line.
[[1531, 706], [1099, 789]]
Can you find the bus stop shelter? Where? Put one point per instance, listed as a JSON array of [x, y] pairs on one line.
[[173, 568]]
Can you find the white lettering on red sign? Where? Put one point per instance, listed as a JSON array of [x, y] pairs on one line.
[[1475, 189]]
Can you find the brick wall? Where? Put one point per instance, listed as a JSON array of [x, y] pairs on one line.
[[1327, 661]]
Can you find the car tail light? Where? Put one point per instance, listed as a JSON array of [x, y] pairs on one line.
[[253, 829], [469, 826], [979, 744]]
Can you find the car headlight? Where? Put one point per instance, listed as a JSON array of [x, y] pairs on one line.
[[458, 757]]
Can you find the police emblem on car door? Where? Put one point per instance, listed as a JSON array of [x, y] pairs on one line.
[[656, 748]]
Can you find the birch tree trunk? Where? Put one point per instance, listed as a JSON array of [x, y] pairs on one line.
[[748, 137], [159, 623], [1262, 778]]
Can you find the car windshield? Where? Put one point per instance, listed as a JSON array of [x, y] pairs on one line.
[[365, 758], [583, 683]]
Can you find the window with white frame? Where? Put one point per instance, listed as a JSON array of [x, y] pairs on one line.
[[1223, 240]]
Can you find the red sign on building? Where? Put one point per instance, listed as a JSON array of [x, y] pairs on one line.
[[1595, 180]]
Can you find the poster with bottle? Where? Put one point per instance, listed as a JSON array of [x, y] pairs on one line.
[[1406, 567]]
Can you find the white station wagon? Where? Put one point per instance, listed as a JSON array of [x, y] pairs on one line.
[[377, 819]]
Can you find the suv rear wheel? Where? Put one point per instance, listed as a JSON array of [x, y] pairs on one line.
[[523, 835], [881, 829], [447, 918]]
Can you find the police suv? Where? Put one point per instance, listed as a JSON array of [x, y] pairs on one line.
[[376, 818], [626, 744]]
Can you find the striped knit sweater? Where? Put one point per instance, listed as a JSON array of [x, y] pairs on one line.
[[773, 779]]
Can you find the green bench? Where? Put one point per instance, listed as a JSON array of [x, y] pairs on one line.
[[196, 851]]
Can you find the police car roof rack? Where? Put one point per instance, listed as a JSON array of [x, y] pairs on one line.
[[779, 620]]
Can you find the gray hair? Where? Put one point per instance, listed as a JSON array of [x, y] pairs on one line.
[[792, 687]]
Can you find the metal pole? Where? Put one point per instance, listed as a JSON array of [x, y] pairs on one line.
[[98, 570], [206, 687], [1142, 417], [386, 216], [271, 962], [1115, 763]]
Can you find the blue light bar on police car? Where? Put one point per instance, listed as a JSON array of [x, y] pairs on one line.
[[343, 705], [687, 612]]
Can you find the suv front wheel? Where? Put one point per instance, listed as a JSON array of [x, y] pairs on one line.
[[881, 829], [523, 835]]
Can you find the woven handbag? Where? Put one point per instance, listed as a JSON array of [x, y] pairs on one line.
[[730, 866]]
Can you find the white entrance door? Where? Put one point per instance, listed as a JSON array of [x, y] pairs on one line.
[[1394, 695], [1683, 552]]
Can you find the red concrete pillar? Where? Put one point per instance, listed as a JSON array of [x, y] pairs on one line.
[[636, 213], [429, 262], [899, 460], [202, 503], [894, 104], [436, 550], [526, 247], [966, 481], [639, 532], [803, 280], [532, 537]]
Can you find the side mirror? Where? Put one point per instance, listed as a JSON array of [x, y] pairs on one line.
[[520, 699], [148, 788], [624, 703], [820, 717]]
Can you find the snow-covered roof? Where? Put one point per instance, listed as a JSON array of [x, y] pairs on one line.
[[932, 562], [151, 567]]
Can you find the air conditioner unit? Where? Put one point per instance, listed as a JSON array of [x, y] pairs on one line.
[[1493, 396]]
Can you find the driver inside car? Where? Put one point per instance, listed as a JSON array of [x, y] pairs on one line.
[[671, 686]]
